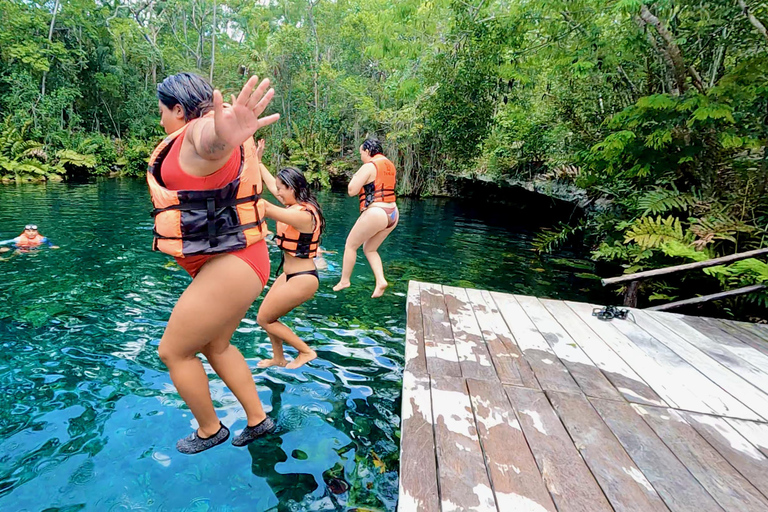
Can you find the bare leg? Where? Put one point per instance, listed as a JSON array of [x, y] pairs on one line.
[[370, 248], [280, 300], [278, 356], [370, 222], [204, 319]]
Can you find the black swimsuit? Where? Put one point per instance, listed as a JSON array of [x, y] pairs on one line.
[[302, 273]]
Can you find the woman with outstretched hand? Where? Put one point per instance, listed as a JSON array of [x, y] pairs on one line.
[[206, 186]]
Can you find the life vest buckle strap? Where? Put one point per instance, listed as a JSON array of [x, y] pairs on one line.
[[211, 209]]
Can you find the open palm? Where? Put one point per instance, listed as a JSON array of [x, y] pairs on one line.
[[240, 121]]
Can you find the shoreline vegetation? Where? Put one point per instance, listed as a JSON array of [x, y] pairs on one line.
[[649, 115]]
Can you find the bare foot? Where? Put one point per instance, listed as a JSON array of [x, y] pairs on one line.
[[379, 291], [266, 363], [341, 285], [301, 359]]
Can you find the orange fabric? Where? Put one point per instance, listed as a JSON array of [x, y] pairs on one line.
[[288, 236], [25, 241], [256, 255], [175, 178], [383, 185], [241, 166]]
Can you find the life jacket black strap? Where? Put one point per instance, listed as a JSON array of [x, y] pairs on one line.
[[204, 205], [206, 236]]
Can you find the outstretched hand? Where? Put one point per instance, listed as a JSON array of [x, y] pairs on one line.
[[236, 124], [260, 149]]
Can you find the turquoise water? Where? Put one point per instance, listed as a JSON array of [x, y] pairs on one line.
[[89, 417]]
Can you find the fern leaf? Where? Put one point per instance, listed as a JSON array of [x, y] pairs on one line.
[[650, 233]]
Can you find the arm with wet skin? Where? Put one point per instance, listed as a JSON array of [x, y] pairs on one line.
[[302, 220], [266, 176], [365, 174]]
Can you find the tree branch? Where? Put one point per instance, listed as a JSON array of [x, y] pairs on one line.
[[754, 21], [679, 68]]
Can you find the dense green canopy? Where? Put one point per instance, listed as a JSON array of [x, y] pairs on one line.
[[656, 109]]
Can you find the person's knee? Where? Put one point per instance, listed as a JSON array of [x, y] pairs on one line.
[[264, 321], [167, 354], [213, 350]]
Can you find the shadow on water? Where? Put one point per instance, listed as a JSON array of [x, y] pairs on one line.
[[88, 415]]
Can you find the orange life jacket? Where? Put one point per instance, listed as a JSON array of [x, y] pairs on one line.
[[382, 189], [192, 222], [25, 241], [295, 243]]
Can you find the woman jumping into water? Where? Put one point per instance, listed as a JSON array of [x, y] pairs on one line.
[[299, 227], [374, 183], [205, 184]]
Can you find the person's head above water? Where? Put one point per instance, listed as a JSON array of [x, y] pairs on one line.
[[370, 148], [182, 98], [292, 188], [30, 230]]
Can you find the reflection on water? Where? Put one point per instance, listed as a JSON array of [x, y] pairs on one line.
[[89, 417]]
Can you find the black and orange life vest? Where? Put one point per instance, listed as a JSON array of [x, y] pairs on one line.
[[382, 189], [192, 222], [295, 243]]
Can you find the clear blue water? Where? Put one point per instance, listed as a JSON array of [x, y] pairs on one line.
[[89, 417]]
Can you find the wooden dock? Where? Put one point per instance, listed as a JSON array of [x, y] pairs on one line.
[[519, 404]]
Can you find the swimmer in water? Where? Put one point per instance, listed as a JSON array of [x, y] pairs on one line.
[[30, 238]]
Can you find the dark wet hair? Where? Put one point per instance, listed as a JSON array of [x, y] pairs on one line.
[[295, 180], [373, 146], [191, 91]]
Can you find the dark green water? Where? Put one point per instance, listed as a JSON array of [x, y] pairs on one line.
[[89, 417]]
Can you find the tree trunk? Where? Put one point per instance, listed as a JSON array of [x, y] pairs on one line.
[[672, 51], [312, 4], [630, 296], [50, 40], [213, 42]]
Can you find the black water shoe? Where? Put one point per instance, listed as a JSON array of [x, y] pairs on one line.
[[193, 443], [249, 434]]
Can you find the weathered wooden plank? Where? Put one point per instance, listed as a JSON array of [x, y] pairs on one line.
[[550, 372], [415, 356], [676, 486], [511, 366], [568, 479], [626, 380], [418, 472], [734, 447], [517, 483], [582, 369], [439, 346], [474, 359], [731, 490], [684, 340], [621, 480], [759, 332], [464, 483], [645, 366], [716, 342], [755, 433], [692, 390], [751, 349]]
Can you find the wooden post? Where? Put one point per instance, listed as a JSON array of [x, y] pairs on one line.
[[630, 296]]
